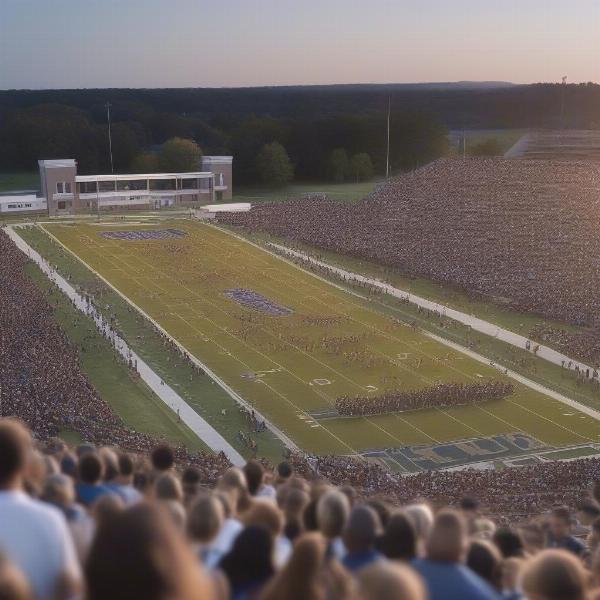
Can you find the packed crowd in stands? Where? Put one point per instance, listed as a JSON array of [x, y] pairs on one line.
[[523, 232], [435, 396], [98, 523], [40, 377], [584, 346]]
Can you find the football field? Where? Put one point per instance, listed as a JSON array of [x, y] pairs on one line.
[[290, 344]]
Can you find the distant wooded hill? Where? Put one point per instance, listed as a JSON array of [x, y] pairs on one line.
[[310, 122]]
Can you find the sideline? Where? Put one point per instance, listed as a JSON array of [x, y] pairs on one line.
[[477, 324], [469, 320], [213, 439], [595, 414], [287, 441]]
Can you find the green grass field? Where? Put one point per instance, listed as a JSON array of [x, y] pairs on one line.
[[505, 138], [293, 367], [344, 192], [131, 399]]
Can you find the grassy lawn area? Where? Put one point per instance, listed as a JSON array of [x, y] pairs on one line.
[[571, 453], [319, 344], [200, 392], [131, 399], [344, 192], [19, 180], [506, 138]]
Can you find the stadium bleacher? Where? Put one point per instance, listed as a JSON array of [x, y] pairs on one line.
[[522, 233]]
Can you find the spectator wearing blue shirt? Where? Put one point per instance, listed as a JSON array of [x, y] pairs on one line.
[[559, 534], [359, 536], [445, 574], [89, 487], [124, 480]]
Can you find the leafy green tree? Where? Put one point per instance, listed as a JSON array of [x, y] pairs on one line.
[[339, 165], [489, 147], [145, 163], [273, 165], [125, 146], [179, 155], [361, 167]]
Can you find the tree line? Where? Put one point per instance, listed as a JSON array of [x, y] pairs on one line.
[[330, 133], [266, 149]]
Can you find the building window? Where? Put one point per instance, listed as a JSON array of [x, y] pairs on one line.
[[67, 187], [60, 186], [61, 205]]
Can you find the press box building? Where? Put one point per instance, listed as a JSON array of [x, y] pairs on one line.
[[68, 193]]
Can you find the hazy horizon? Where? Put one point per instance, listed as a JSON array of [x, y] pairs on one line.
[[190, 43]]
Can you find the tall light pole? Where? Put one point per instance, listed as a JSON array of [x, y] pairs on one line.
[[562, 102], [387, 157], [108, 105]]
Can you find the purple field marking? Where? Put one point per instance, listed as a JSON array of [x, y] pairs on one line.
[[144, 234], [256, 301]]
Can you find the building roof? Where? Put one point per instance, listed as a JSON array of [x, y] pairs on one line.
[[56, 163], [231, 207], [223, 160], [140, 176]]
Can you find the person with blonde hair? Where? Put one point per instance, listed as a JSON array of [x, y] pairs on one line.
[[554, 575], [309, 575], [421, 516], [205, 520], [333, 508], [386, 580], [168, 487], [234, 481]]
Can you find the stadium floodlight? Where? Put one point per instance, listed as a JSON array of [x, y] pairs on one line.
[[562, 102], [387, 157], [108, 105]]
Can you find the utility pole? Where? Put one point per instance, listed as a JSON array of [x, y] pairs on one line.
[[387, 158], [108, 105], [562, 102]]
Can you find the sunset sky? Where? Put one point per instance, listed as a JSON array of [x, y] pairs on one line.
[[160, 43]]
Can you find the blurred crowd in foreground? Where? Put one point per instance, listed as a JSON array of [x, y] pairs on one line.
[[97, 523]]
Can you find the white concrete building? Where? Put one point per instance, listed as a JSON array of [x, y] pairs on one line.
[[67, 192]]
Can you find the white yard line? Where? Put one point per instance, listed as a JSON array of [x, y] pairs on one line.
[[287, 441], [505, 335], [212, 438]]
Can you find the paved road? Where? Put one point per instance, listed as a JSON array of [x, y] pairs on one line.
[[212, 438]]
